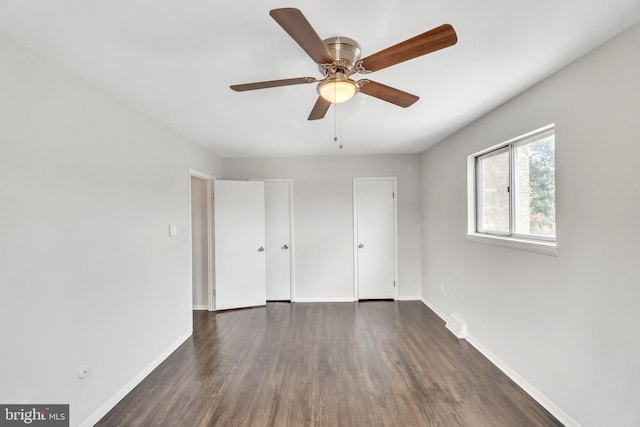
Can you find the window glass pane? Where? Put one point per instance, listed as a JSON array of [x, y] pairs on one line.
[[535, 202], [492, 192]]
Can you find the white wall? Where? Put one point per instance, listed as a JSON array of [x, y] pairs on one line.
[[567, 324], [199, 243], [323, 216], [88, 274]]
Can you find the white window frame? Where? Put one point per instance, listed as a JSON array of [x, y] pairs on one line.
[[538, 244]]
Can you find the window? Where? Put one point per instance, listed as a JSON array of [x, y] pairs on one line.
[[512, 192]]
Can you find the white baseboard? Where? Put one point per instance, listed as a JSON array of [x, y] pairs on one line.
[[523, 384], [349, 299], [200, 307], [325, 299], [435, 309], [120, 394], [535, 394], [410, 298]]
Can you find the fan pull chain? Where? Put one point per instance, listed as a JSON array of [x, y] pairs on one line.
[[335, 126], [335, 122], [340, 128]]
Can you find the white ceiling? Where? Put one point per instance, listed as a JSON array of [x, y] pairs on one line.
[[175, 60]]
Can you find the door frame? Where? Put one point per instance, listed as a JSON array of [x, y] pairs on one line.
[[292, 269], [395, 232], [209, 180]]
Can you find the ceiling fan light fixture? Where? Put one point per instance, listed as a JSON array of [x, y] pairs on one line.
[[338, 88]]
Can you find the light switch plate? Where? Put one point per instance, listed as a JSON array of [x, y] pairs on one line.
[[173, 230]]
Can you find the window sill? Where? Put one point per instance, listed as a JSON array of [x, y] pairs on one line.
[[545, 248]]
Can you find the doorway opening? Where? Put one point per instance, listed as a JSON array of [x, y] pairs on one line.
[[201, 248]]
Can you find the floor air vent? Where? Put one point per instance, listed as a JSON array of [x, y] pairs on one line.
[[456, 325]]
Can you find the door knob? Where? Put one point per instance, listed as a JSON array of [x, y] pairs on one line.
[[260, 249], [285, 247], [361, 246]]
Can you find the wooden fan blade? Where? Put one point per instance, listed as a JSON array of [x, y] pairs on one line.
[[387, 93], [272, 83], [319, 109], [297, 26], [430, 41]]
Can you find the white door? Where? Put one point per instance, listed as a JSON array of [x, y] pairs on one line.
[[278, 254], [375, 238], [239, 244]]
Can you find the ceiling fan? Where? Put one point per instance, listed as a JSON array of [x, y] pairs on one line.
[[338, 58]]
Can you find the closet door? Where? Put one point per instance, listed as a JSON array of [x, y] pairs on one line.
[[278, 219], [374, 221]]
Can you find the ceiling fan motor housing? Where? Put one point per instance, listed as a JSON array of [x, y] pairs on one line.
[[346, 52]]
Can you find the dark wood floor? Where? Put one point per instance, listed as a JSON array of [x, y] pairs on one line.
[[366, 364]]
